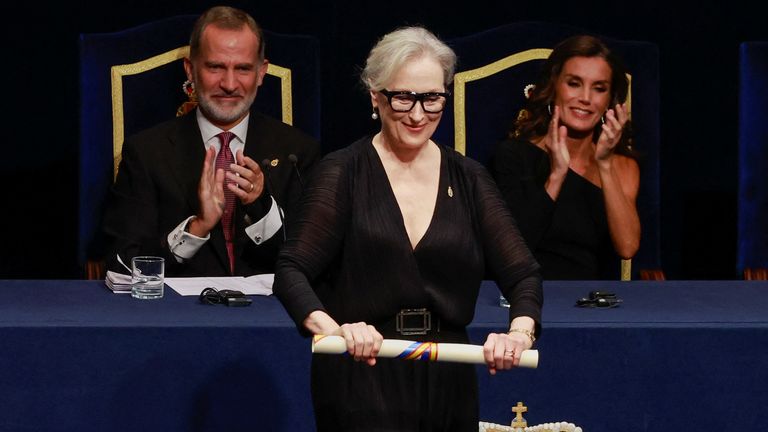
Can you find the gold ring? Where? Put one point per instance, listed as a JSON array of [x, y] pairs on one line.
[[251, 189], [510, 352]]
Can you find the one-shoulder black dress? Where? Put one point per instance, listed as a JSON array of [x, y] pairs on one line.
[[569, 236]]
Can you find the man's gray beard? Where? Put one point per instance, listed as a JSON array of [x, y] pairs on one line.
[[218, 115]]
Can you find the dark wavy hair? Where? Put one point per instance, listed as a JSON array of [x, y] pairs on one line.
[[533, 120]]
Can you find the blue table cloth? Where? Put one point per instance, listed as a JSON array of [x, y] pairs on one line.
[[676, 355]]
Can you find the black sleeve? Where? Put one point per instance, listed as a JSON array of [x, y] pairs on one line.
[[131, 215], [314, 239], [507, 255], [520, 170]]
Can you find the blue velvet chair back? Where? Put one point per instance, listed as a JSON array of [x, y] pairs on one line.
[[132, 79], [752, 248], [495, 65]]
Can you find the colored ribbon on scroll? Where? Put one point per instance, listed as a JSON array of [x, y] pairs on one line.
[[431, 351]]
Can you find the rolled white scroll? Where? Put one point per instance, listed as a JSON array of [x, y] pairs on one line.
[[430, 351]]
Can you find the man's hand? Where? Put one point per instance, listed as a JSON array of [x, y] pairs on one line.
[[210, 193], [245, 179]]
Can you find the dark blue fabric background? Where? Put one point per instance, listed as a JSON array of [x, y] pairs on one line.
[[753, 156]]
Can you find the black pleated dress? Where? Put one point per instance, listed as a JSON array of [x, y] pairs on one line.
[[348, 254]]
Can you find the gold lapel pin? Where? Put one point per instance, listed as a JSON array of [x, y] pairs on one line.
[[274, 162], [450, 192]]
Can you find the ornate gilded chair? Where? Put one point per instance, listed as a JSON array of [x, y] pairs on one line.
[[494, 68], [132, 79], [752, 247]]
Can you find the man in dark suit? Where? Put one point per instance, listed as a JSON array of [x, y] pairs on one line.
[[191, 189]]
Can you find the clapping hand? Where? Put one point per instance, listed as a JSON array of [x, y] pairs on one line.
[[615, 119], [210, 193], [554, 142], [246, 179]]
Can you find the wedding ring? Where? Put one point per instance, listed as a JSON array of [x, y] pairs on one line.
[[251, 189], [510, 352]]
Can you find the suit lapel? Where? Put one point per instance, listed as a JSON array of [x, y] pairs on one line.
[[255, 146]]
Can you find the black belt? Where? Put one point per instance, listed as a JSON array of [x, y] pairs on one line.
[[421, 324], [410, 322]]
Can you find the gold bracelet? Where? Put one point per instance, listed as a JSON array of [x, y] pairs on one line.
[[525, 332]]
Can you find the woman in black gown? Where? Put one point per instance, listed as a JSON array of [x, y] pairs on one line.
[[395, 222], [568, 171]]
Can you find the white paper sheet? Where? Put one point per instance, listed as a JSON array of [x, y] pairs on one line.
[[251, 285]]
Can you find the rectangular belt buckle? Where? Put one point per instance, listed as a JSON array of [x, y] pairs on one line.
[[413, 322]]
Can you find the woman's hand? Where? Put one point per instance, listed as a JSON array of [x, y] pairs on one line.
[[615, 119], [554, 142], [503, 350], [559, 158], [363, 341]]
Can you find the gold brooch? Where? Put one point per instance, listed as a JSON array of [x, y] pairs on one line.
[[274, 162]]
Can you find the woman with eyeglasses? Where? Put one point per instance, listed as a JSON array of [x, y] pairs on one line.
[[568, 171], [393, 240]]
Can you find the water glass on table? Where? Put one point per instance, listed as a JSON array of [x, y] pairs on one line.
[[147, 277]]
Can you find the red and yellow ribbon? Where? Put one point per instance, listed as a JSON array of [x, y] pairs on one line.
[[420, 351]]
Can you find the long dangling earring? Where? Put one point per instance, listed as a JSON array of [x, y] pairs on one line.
[[189, 89], [375, 114]]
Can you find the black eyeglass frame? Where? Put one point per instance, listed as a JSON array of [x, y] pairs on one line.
[[417, 97]]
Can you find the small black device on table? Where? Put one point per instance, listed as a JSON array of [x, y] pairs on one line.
[[212, 296]]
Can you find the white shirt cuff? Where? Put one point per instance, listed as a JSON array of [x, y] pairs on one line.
[[267, 226], [184, 245]]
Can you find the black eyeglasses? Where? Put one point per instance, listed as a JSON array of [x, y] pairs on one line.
[[404, 100]]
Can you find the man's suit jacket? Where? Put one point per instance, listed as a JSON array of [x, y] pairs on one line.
[[156, 189]]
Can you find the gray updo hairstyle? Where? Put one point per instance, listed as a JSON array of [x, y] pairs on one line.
[[401, 46]]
